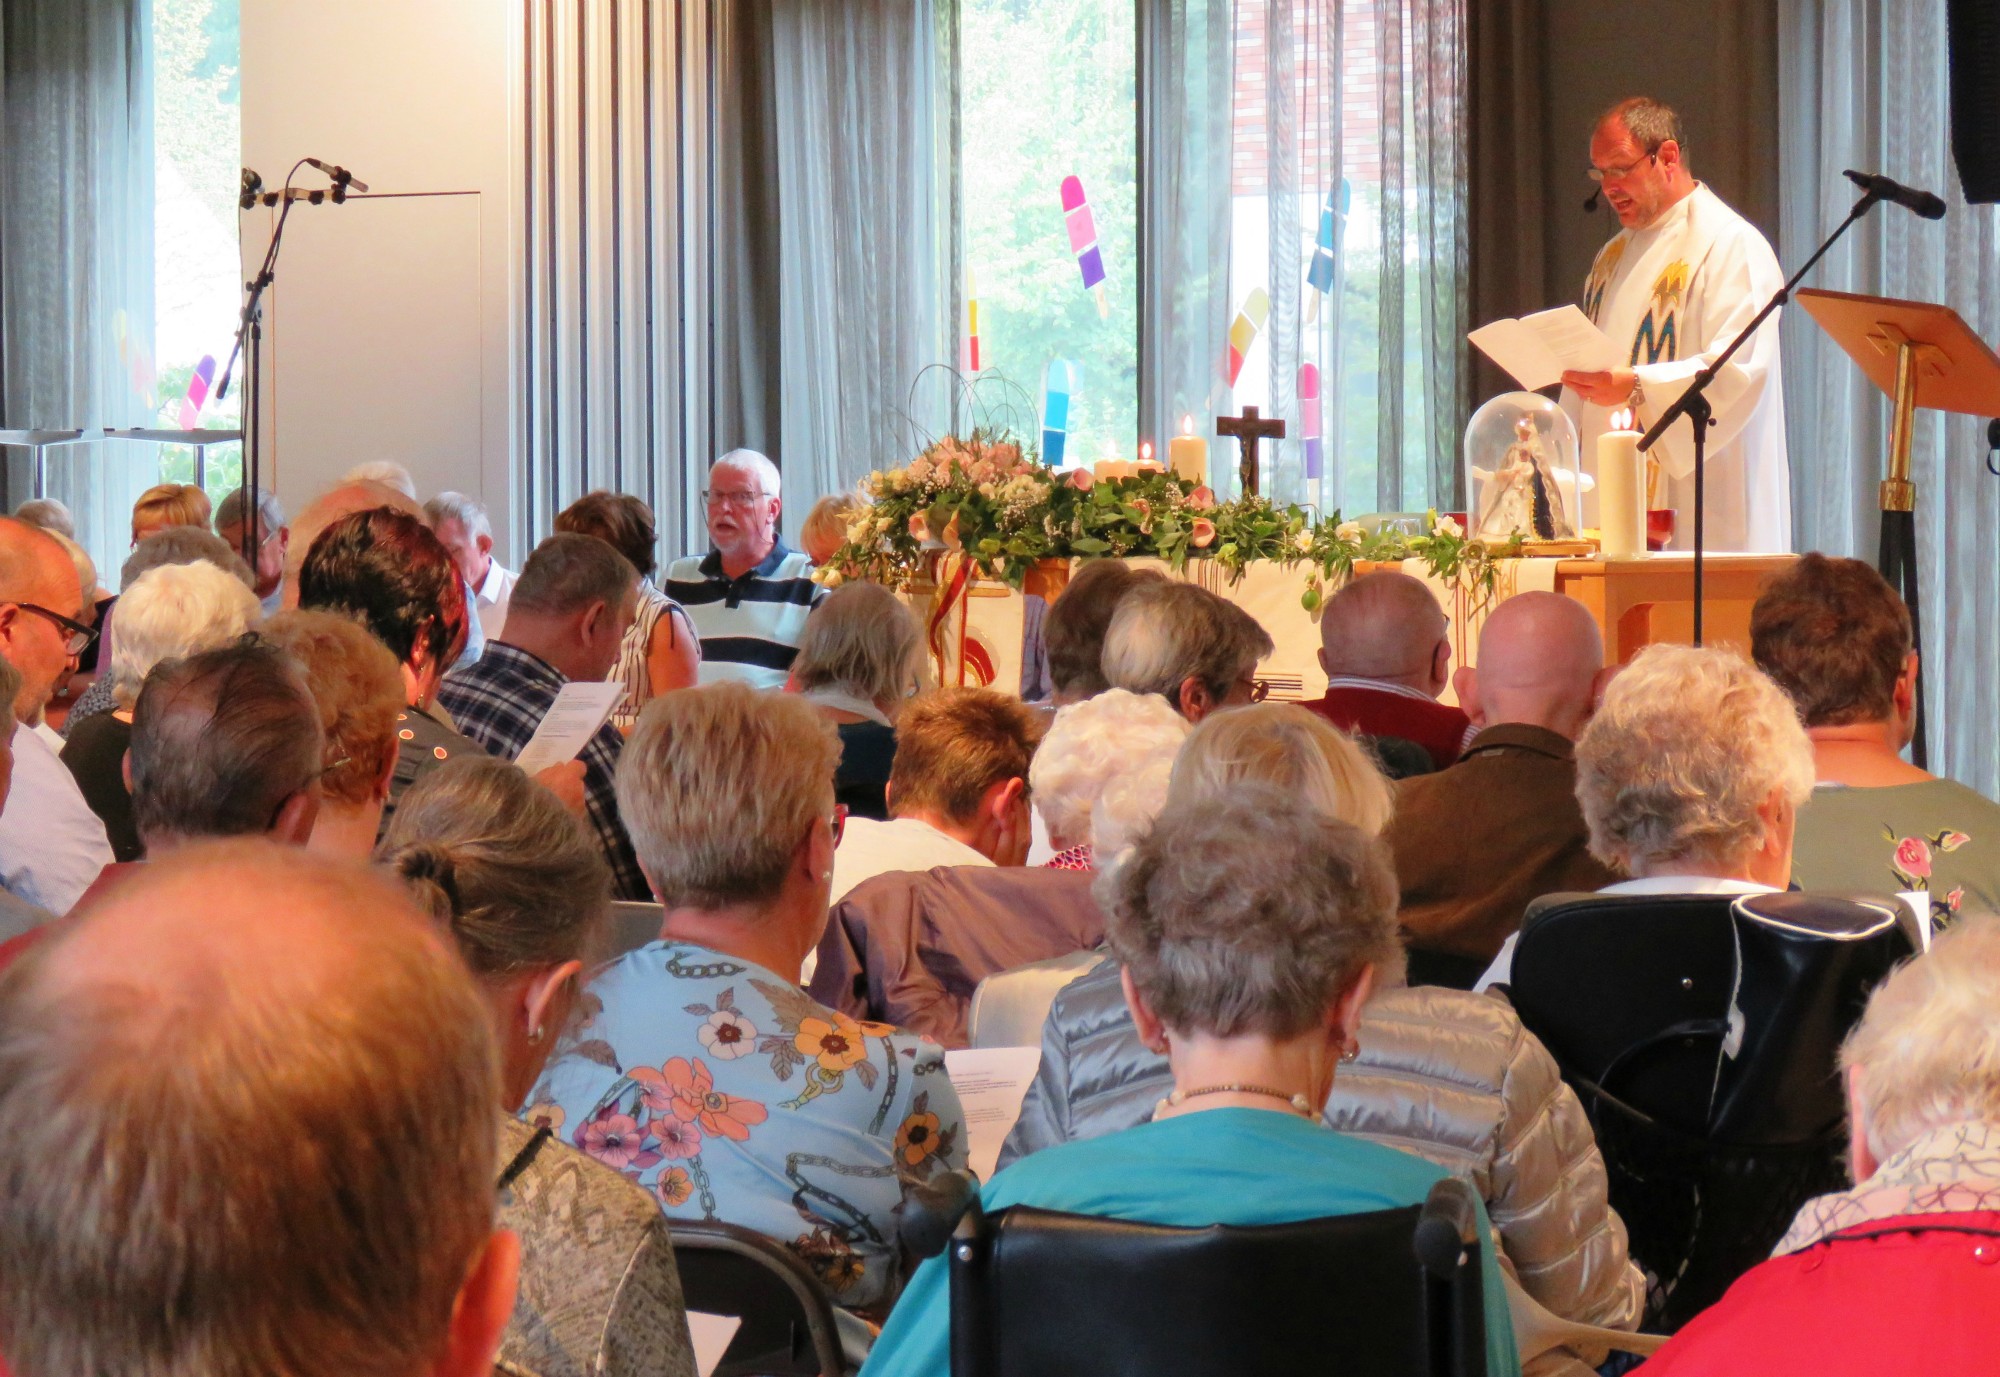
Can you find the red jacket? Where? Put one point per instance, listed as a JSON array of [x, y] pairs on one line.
[[1916, 1294], [1388, 711]]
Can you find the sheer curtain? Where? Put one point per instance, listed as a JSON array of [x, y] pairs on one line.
[[76, 249], [1318, 148], [1862, 85], [863, 279]]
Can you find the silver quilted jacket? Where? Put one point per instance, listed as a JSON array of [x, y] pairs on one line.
[[1448, 1076]]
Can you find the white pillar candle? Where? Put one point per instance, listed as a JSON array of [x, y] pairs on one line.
[[1621, 490], [1187, 454]]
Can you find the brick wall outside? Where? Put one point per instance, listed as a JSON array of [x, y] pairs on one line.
[[1359, 117]]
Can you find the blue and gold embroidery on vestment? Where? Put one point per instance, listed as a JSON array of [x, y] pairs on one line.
[[1601, 270], [1658, 336]]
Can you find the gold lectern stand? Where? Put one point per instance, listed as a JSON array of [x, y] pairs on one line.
[[1920, 354]]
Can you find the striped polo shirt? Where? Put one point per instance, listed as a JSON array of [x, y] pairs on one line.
[[749, 626]]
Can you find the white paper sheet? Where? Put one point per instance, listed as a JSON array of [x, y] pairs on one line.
[[579, 710], [1538, 349], [711, 1335], [991, 1083]]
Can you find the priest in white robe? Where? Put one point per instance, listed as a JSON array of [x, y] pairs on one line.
[[1683, 276]]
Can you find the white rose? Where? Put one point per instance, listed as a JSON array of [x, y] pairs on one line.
[[1350, 532], [1447, 527], [1303, 542]]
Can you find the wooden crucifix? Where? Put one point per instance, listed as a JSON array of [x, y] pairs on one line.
[[1249, 429]]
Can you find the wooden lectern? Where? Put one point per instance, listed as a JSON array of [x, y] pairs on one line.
[[1920, 354]]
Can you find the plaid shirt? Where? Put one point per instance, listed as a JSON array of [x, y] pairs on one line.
[[499, 702]]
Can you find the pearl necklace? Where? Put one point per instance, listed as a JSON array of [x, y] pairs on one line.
[[1299, 1103]]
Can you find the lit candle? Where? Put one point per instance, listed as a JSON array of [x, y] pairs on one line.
[[1187, 453], [1621, 490], [1147, 464]]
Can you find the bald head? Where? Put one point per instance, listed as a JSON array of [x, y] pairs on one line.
[[1541, 662], [35, 570], [208, 1087], [1386, 626]]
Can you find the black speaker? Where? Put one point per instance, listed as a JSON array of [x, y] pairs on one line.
[[1975, 96]]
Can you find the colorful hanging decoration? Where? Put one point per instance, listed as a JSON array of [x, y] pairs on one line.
[[1249, 320], [1309, 420], [971, 324], [1321, 274], [1083, 241], [1055, 412], [197, 393], [132, 355]]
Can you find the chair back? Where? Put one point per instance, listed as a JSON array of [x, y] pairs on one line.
[[633, 925], [1702, 1034], [787, 1321], [1041, 1293], [1009, 1009]]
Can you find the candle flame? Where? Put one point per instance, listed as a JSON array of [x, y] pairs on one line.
[[1621, 419], [1145, 451], [1187, 425]]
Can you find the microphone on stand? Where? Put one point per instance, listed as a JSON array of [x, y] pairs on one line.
[[1591, 203], [252, 185], [1909, 198], [342, 177]]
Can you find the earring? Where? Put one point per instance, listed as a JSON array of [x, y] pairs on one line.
[[1350, 1052], [535, 1033]]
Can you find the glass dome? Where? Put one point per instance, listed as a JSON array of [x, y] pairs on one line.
[[1521, 471]]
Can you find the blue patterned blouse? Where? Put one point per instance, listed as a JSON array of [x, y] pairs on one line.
[[726, 1092]]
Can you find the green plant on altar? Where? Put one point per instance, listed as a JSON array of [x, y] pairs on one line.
[[986, 497]]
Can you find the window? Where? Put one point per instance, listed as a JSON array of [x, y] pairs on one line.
[[1047, 94], [197, 275]]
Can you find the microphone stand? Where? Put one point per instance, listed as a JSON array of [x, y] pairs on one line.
[[1694, 403], [251, 329]]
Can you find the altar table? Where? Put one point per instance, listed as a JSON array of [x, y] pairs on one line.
[[988, 633]]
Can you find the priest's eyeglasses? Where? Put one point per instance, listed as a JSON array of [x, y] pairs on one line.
[[79, 636], [1619, 174], [739, 500]]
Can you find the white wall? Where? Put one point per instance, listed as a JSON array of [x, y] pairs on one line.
[[389, 325]]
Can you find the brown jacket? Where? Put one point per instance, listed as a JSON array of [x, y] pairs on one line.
[[1474, 844], [910, 947]]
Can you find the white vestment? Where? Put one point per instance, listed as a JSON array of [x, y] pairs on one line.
[[1671, 297]]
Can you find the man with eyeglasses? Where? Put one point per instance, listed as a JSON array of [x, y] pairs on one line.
[[51, 845], [1671, 290], [750, 595]]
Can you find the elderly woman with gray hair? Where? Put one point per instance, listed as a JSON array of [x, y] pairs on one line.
[[1495, 1111], [1101, 773], [1898, 1274], [861, 658], [172, 611], [1690, 774], [706, 1074], [1249, 932]]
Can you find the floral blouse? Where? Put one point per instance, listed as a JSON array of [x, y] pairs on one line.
[[727, 1093]]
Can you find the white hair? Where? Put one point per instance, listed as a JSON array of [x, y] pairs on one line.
[[468, 512], [749, 461], [1927, 1051], [48, 514], [1688, 744], [173, 611], [86, 567], [386, 472], [1101, 772]]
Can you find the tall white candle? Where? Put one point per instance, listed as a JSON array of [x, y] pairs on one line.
[[1621, 490], [1187, 453]]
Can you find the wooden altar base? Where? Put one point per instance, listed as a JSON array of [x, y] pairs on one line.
[[1650, 600]]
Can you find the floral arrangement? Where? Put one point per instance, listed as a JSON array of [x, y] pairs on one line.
[[983, 496]]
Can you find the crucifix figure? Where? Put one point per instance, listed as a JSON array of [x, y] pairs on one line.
[[1249, 428]]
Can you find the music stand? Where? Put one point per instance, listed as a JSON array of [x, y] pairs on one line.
[[1920, 354]]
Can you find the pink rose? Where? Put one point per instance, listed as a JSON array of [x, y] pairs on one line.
[[1951, 841], [950, 535], [1202, 533], [1955, 898], [1202, 499], [920, 529], [1913, 857], [1082, 479]]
